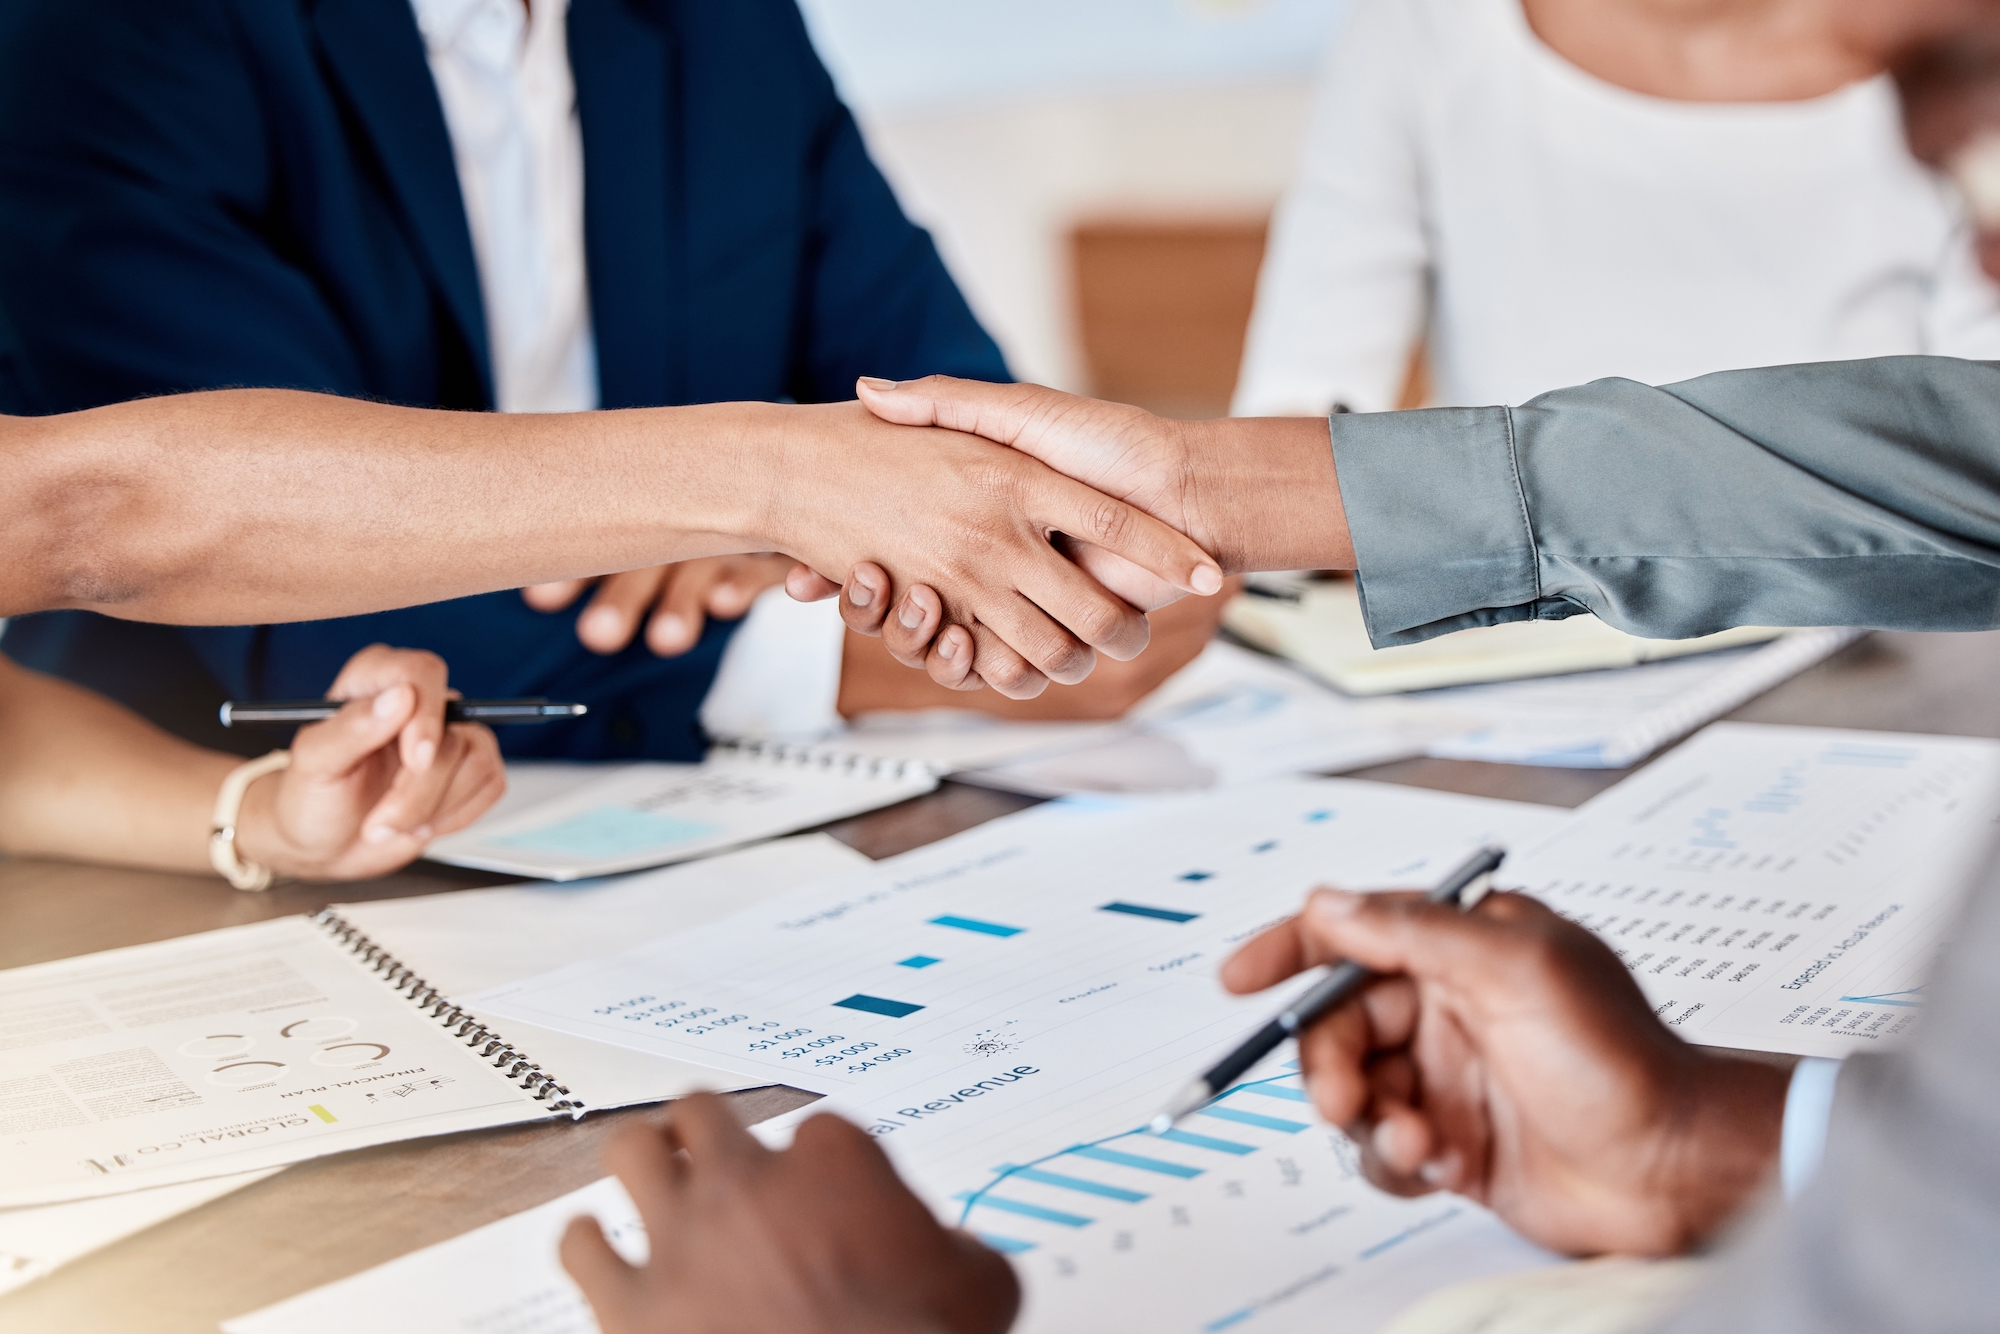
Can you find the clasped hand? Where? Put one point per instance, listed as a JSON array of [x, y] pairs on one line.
[[1248, 494]]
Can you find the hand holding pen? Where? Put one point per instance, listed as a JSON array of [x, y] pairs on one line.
[[1506, 1054], [1461, 888]]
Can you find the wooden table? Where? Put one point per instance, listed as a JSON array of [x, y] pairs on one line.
[[325, 1219]]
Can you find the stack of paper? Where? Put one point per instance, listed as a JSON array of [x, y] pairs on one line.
[[1230, 716], [1320, 627], [1614, 719], [639, 815]]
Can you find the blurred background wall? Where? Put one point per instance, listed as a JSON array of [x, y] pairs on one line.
[[1098, 173]]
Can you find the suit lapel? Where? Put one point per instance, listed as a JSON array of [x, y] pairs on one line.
[[622, 54], [377, 56]]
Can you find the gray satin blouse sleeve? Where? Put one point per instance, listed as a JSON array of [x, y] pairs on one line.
[[1859, 493]]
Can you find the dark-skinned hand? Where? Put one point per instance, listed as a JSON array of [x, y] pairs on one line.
[[819, 1238], [1507, 1055]]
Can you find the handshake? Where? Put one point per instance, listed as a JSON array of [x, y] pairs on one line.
[[1026, 530]]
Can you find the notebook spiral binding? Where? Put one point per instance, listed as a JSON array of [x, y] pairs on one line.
[[815, 756], [481, 1039]]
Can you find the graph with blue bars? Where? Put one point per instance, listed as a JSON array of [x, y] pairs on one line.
[[1126, 1168], [1252, 1173]]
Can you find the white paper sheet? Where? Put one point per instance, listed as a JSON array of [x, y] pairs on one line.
[[995, 1001], [468, 940], [1780, 888], [950, 740], [503, 1278], [645, 815], [230, 1051], [1613, 719], [40, 1239], [1230, 716]]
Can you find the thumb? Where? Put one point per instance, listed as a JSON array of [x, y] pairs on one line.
[[335, 748]]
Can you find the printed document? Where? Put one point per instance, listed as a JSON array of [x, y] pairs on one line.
[[1613, 719], [1780, 888], [1230, 716], [244, 1048], [644, 815], [501, 1277], [1006, 1008]]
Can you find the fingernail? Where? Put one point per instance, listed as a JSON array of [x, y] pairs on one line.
[[861, 595], [1434, 1173], [603, 623], [1334, 903], [422, 833], [880, 386], [1207, 579], [389, 703], [672, 629], [378, 833], [911, 615], [422, 754], [948, 648]]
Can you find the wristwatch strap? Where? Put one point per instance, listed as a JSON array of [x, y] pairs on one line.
[[222, 827]]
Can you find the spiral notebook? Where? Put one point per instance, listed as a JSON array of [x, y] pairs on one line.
[[460, 942], [642, 815]]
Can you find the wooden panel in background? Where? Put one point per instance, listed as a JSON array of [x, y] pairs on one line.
[[1162, 305]]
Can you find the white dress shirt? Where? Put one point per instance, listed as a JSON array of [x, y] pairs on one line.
[[1538, 227], [502, 73]]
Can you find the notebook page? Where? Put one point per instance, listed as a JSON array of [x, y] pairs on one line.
[[229, 1051]]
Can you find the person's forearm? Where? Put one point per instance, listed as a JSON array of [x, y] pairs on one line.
[[82, 778], [1845, 493], [267, 505], [1262, 494]]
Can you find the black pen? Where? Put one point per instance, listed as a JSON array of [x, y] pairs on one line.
[[1341, 983], [291, 712]]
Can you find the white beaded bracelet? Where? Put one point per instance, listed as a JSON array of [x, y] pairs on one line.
[[222, 826]]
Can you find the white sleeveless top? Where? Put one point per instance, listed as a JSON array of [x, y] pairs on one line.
[[1539, 227]]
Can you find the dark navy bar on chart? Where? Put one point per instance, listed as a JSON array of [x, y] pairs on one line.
[[895, 1009], [1141, 910]]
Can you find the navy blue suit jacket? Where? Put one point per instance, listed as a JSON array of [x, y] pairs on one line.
[[211, 193]]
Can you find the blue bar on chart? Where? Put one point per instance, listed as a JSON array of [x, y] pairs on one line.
[[1195, 1141], [918, 961], [894, 1009], [1197, 875], [1005, 1245], [1258, 1119], [1098, 1153], [1042, 1177], [1026, 1210], [974, 924], [1141, 910], [1285, 1091]]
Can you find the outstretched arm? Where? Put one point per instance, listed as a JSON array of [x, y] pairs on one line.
[[267, 505], [1843, 493]]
